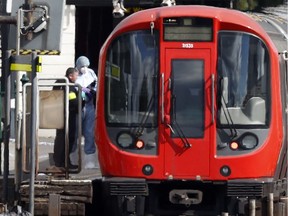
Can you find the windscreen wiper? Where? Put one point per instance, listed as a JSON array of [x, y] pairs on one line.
[[139, 130], [224, 98], [177, 127]]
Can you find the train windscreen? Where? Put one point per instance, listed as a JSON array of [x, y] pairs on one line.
[[131, 79], [243, 68]]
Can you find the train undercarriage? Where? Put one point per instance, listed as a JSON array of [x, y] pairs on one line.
[[171, 198]]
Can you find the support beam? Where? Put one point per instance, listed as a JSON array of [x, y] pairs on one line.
[[8, 20], [54, 205]]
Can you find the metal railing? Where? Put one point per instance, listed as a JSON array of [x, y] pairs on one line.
[[26, 113]]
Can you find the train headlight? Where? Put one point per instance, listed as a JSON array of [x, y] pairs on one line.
[[125, 139], [234, 145], [139, 144], [248, 141]]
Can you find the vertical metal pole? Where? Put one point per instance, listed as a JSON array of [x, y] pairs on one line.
[[79, 123], [252, 207], [1, 113], [284, 200], [270, 204], [18, 32], [17, 109], [34, 90], [66, 105], [6, 125]]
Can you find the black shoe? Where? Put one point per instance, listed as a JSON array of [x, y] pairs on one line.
[[70, 167], [73, 167], [55, 169]]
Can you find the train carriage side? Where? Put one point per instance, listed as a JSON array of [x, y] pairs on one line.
[[191, 113], [277, 29]]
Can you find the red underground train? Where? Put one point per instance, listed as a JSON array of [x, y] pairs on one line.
[[192, 113]]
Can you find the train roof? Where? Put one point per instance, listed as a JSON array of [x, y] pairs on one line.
[[273, 25], [223, 14]]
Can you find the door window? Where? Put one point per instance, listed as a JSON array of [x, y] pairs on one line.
[[187, 98]]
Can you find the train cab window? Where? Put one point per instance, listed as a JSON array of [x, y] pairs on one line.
[[243, 68], [130, 79]]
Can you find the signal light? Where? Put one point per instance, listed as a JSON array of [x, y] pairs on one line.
[[248, 141], [139, 144], [234, 145], [124, 139]]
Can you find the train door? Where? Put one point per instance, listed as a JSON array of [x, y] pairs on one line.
[[187, 112]]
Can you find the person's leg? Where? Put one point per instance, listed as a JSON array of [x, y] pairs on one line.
[[74, 151], [72, 138], [88, 129], [59, 148], [88, 133], [72, 131]]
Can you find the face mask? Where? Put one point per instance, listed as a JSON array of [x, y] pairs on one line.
[[83, 70]]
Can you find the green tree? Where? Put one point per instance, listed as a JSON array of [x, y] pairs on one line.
[[246, 4]]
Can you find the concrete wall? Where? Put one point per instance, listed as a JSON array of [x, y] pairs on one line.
[[55, 66]]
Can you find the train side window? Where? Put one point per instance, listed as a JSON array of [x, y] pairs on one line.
[[283, 64], [243, 68]]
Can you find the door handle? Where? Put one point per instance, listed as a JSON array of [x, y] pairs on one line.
[[162, 98], [212, 97]]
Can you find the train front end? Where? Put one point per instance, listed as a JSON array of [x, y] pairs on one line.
[[190, 114]]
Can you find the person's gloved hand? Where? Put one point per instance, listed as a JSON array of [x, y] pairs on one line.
[[83, 95], [86, 90], [88, 93]]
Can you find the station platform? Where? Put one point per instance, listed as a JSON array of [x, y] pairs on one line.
[[70, 195]]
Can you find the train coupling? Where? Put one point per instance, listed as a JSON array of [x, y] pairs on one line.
[[185, 197]]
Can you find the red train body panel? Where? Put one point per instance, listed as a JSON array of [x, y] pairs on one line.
[[192, 95]]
